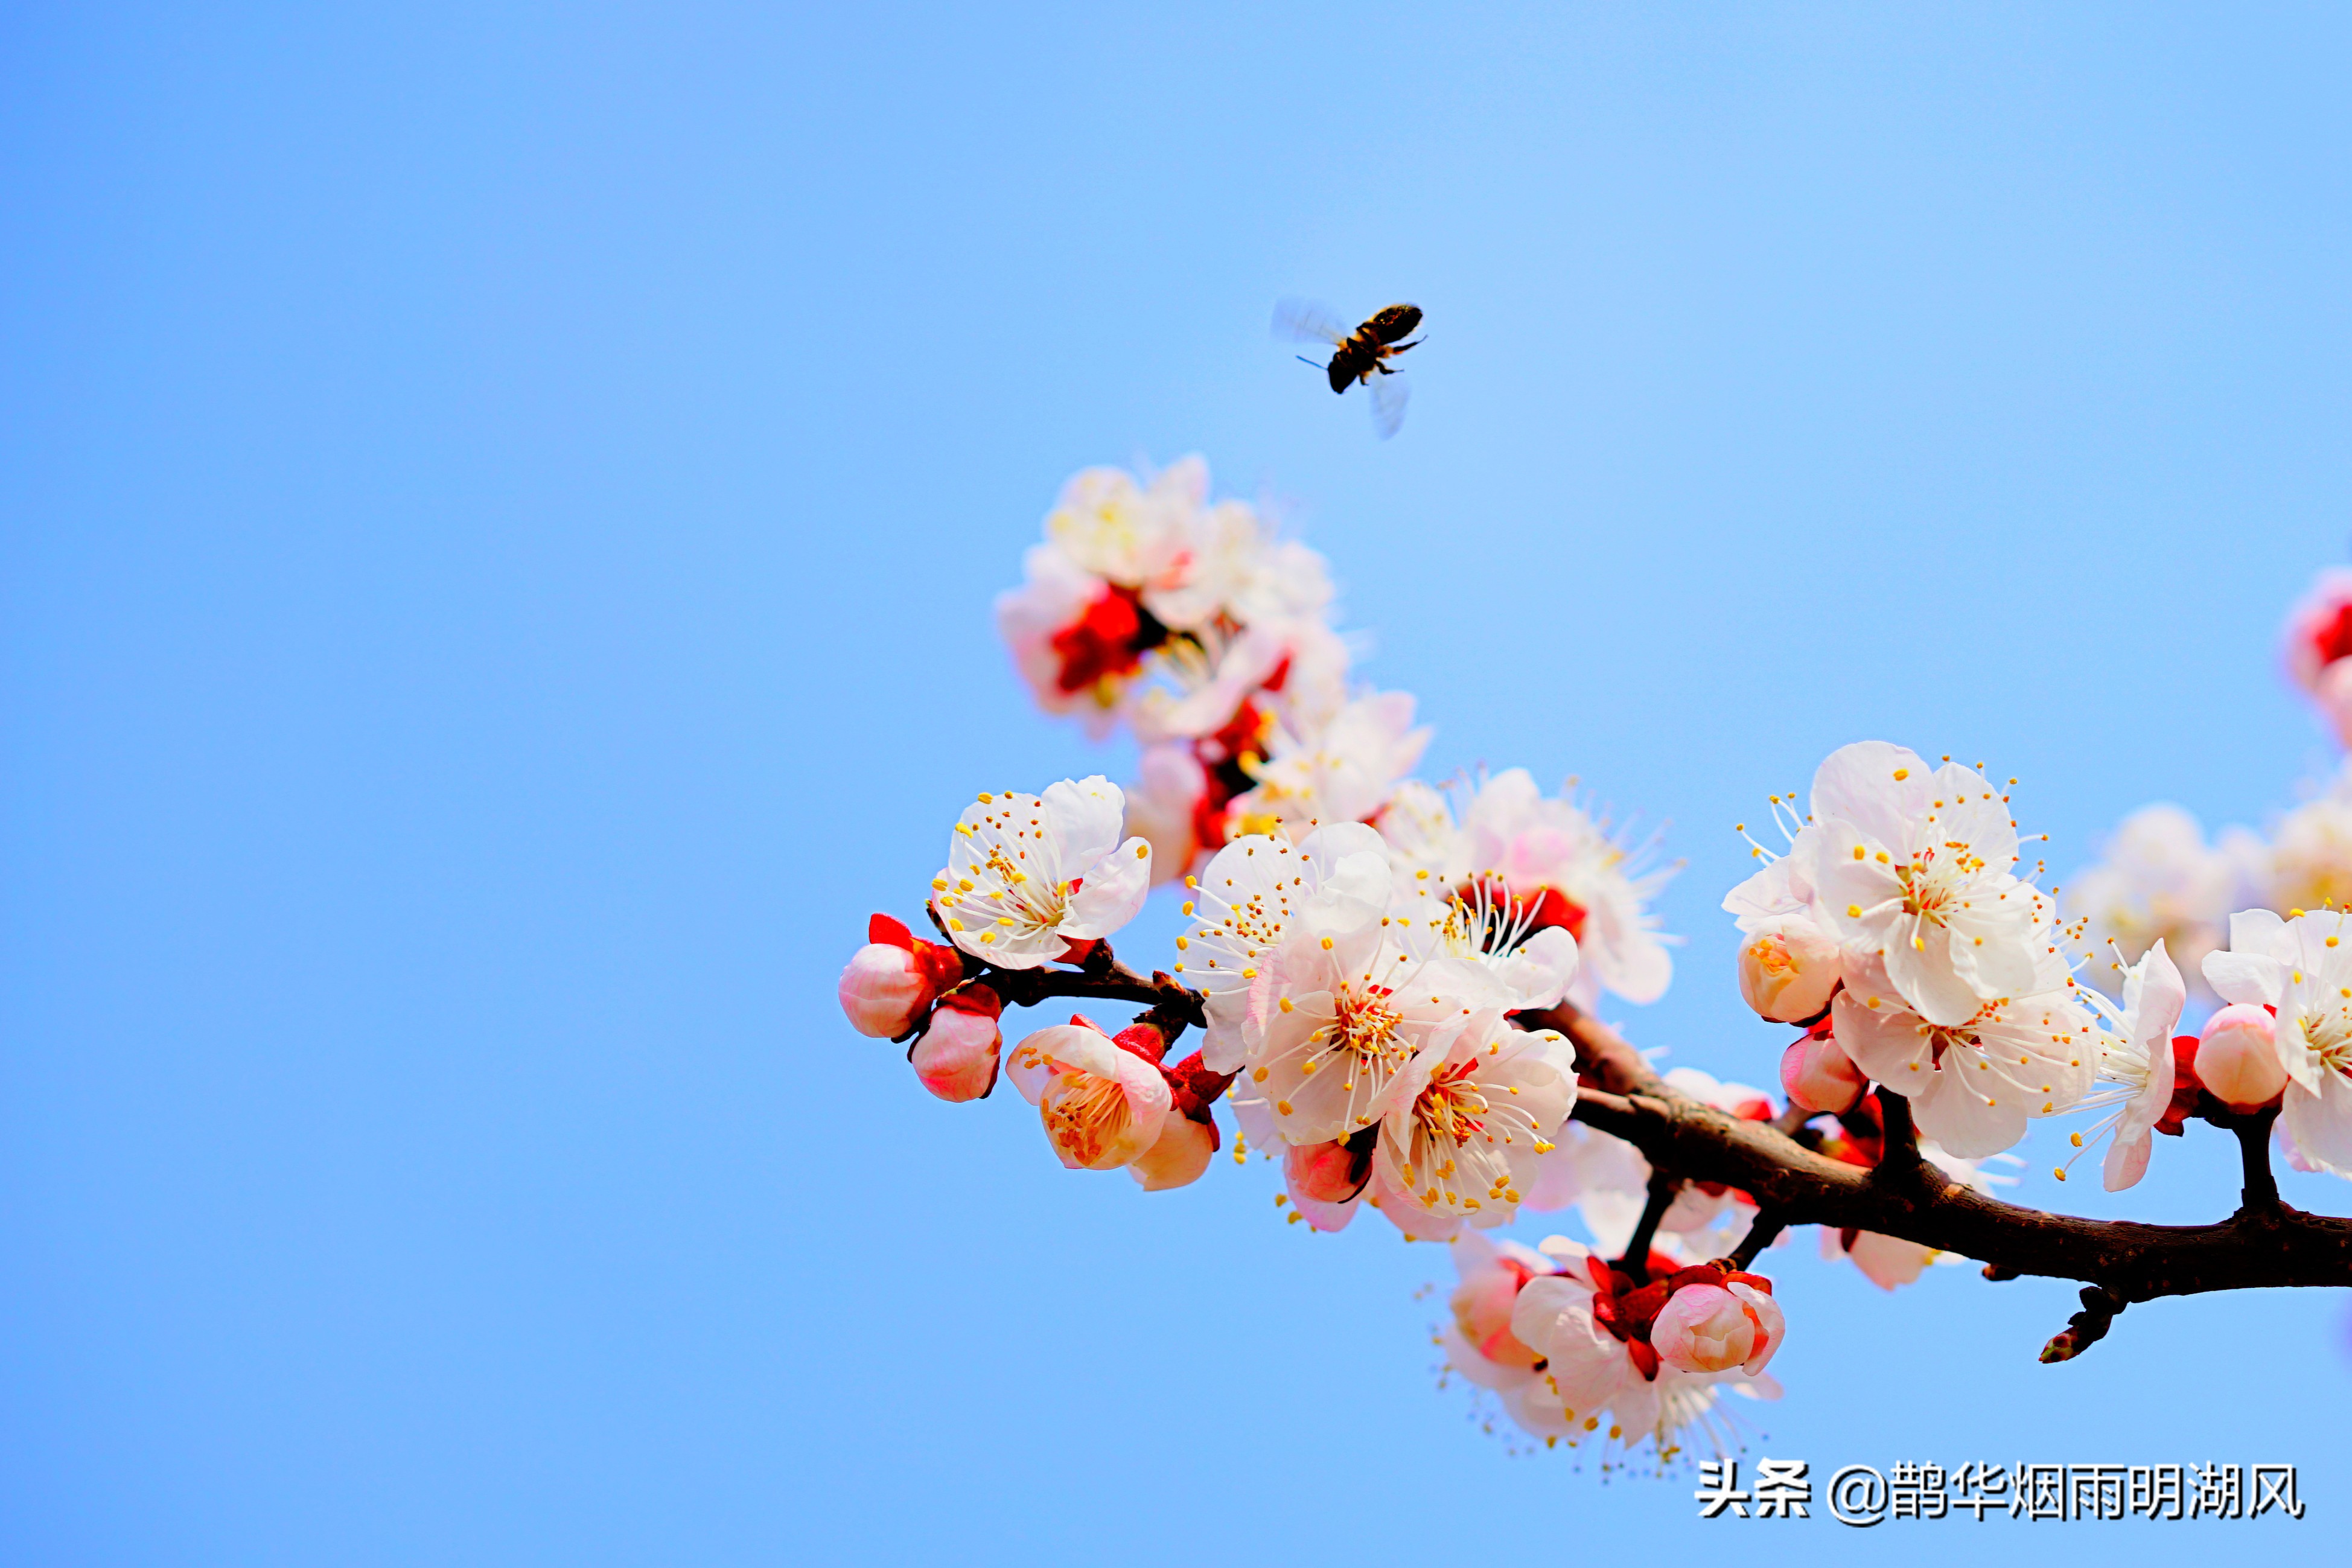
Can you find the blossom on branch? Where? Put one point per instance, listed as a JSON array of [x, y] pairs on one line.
[[1558, 861], [1595, 1325], [2136, 1060], [1104, 1104], [893, 980], [1913, 869], [1460, 1142], [1030, 877], [2301, 969], [1336, 880], [1974, 1085]]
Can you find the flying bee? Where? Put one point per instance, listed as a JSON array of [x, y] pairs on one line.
[[1363, 354]]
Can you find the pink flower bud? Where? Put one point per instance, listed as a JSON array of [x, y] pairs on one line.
[[957, 1056], [2237, 1060], [884, 990], [1787, 968], [893, 978], [1820, 1075], [1179, 1157], [1714, 1328]]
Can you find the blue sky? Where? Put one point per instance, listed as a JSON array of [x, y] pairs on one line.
[[500, 509]]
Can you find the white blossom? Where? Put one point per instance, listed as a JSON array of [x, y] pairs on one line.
[[1027, 876]]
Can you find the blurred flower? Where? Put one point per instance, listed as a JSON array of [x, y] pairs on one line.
[[2159, 881], [2318, 640], [1344, 771]]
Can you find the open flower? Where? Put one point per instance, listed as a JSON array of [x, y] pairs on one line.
[[1522, 943], [1973, 1085], [1914, 871], [1460, 1141], [2303, 968], [1339, 1009], [1029, 876], [2136, 1060], [1550, 856], [1255, 890], [1103, 1106]]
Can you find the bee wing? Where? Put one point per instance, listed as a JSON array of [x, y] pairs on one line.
[[1305, 321], [1388, 393]]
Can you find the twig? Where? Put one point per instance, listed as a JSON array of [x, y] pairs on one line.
[[2260, 1189], [1762, 1232], [1637, 1261], [2085, 1328]]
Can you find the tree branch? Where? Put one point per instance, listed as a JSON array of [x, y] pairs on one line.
[[2259, 1246], [1100, 976]]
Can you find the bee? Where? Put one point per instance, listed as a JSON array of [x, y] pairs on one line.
[[1363, 354]]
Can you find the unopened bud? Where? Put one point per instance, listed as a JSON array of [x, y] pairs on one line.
[[1820, 1075], [957, 1056], [1787, 968], [884, 990], [1714, 1328], [2237, 1059]]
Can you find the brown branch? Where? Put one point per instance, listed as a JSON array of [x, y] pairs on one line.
[[2261, 1246], [1100, 976], [1637, 1261]]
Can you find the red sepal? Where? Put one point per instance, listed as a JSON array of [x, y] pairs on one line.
[[1077, 952], [1753, 1282], [1142, 1040], [974, 998], [2185, 1087], [889, 932], [1644, 1358]]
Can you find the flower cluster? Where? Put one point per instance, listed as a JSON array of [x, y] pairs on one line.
[[1382, 970], [1896, 928]]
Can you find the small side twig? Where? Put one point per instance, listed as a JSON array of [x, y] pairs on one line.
[[2085, 1328], [2261, 1190], [1762, 1232], [1898, 1151], [1637, 1261]]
